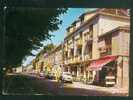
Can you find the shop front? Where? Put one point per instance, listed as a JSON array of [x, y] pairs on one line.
[[104, 71]]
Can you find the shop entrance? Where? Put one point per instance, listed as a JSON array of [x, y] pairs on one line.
[[107, 76]]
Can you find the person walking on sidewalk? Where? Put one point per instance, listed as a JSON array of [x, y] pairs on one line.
[[62, 82]]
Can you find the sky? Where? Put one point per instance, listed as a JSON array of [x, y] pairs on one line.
[[59, 35]]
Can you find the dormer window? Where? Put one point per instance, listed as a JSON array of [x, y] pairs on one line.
[[82, 19], [128, 12], [74, 25], [68, 29]]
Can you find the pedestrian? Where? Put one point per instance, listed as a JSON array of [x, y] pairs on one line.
[[62, 82]]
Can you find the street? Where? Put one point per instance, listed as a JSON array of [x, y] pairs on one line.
[[20, 84]]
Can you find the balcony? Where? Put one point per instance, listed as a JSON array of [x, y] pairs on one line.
[[77, 59]]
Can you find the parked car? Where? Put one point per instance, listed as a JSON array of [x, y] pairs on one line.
[[41, 74], [67, 77], [50, 76]]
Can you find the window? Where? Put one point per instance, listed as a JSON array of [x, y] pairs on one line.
[[90, 51], [108, 47], [82, 19], [81, 35], [128, 12], [91, 31], [72, 52], [91, 28]]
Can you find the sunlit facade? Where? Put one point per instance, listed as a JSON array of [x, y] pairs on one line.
[[96, 34], [95, 49]]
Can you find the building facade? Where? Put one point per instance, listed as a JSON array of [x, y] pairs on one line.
[[96, 48], [95, 35], [53, 61]]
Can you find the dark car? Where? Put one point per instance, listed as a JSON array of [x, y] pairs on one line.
[[50, 76]]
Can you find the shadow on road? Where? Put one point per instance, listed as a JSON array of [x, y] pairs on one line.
[[31, 85]]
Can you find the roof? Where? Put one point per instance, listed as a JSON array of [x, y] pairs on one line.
[[89, 12], [98, 12]]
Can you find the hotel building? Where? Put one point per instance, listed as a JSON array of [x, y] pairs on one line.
[[97, 45]]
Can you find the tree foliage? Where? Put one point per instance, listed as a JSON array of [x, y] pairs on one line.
[[46, 49], [26, 28]]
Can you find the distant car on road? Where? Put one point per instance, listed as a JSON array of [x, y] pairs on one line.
[[67, 77]]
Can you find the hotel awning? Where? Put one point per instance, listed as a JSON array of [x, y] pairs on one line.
[[98, 64]]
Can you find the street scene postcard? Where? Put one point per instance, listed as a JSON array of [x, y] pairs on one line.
[[66, 51]]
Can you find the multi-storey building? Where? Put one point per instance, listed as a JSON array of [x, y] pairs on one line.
[[96, 40], [53, 60]]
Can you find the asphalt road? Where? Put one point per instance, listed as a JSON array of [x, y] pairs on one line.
[[19, 84]]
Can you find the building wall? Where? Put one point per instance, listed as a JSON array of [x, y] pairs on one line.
[[107, 23], [19, 69], [95, 52], [126, 72], [115, 44], [103, 24], [88, 16], [124, 48]]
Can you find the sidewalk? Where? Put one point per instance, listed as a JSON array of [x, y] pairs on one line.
[[112, 90]]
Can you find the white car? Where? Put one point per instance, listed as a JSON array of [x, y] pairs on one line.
[[67, 77]]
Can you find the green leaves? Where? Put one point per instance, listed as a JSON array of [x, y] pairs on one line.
[[26, 28]]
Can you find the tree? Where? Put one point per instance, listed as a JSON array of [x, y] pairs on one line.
[[26, 28], [46, 49]]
